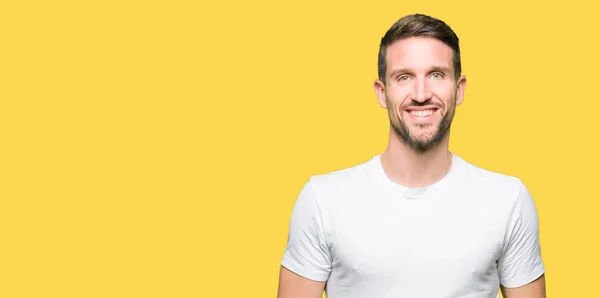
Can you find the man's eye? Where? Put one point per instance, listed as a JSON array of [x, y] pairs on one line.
[[403, 78], [437, 75]]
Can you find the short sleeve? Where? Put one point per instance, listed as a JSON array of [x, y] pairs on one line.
[[307, 253], [521, 260]]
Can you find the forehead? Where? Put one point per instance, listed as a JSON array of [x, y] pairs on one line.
[[418, 53]]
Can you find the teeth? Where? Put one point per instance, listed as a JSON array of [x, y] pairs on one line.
[[422, 113]]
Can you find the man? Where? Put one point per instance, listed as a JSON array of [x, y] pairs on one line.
[[416, 220]]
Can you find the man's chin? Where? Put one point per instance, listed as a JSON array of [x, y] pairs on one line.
[[423, 138], [420, 139], [424, 142]]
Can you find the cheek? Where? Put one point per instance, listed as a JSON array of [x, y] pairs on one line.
[[446, 99], [395, 98], [396, 109]]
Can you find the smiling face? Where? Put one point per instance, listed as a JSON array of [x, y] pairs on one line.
[[421, 90]]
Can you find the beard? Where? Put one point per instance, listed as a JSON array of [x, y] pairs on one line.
[[408, 136]]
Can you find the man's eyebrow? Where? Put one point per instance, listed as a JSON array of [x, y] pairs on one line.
[[397, 71], [442, 69]]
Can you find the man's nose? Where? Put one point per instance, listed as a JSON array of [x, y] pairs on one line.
[[421, 91]]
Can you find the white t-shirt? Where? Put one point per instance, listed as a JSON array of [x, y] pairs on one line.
[[368, 236]]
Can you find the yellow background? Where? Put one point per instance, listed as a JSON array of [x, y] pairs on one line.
[[156, 148]]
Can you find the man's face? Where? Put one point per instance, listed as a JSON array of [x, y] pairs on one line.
[[420, 92]]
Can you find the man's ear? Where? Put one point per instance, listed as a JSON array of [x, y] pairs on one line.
[[460, 90], [379, 87]]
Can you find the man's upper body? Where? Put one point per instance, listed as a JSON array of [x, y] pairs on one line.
[[415, 220], [367, 236]]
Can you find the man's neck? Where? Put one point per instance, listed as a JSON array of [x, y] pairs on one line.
[[409, 168]]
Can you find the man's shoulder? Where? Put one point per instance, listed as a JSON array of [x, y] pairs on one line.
[[491, 176], [492, 181], [345, 178]]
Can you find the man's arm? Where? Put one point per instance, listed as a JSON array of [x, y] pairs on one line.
[[292, 285], [520, 266], [535, 289], [307, 260]]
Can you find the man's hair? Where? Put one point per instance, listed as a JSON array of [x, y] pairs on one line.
[[419, 25]]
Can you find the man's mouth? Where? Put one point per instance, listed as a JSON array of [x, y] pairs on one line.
[[422, 113]]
